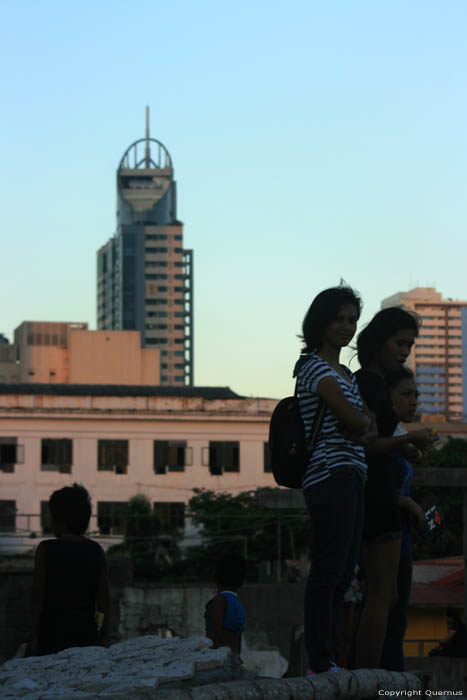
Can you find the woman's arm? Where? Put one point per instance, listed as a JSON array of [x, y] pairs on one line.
[[382, 445], [38, 597], [103, 601], [415, 511], [354, 421], [217, 608]]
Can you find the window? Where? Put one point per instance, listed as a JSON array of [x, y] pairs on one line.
[[156, 301], [112, 455], [156, 341], [155, 250], [7, 516], [111, 517], [171, 455], [172, 514], [46, 519], [222, 457], [156, 277], [56, 455], [267, 458], [156, 237], [10, 454]]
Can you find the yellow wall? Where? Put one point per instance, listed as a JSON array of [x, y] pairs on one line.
[[427, 624]]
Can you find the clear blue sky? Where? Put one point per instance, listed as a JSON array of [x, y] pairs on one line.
[[311, 141]]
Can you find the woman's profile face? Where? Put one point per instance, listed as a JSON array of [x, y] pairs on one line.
[[405, 400], [395, 350]]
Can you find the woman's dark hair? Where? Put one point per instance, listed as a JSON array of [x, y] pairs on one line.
[[382, 326], [452, 612], [393, 379], [323, 310], [231, 570], [71, 506]]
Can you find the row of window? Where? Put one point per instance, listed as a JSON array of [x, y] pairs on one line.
[[162, 237], [113, 455], [111, 517]]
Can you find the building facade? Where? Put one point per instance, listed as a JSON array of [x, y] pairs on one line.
[[144, 274], [69, 353], [439, 358], [121, 441]]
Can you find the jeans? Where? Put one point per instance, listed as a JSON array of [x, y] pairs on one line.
[[336, 513], [392, 657]]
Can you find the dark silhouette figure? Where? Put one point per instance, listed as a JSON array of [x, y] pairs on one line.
[[70, 587]]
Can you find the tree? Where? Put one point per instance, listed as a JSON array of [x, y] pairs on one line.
[[237, 524]]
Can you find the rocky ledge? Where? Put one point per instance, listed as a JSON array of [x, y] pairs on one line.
[[153, 668], [121, 671]]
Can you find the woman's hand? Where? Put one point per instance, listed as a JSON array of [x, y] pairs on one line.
[[423, 438], [419, 517]]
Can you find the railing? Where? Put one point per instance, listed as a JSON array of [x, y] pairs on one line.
[[419, 647]]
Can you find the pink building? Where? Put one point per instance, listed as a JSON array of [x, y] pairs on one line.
[[119, 441], [69, 353]]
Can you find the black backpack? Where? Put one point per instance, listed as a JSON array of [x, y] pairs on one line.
[[290, 450]]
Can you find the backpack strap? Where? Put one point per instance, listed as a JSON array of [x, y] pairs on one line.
[[317, 423]]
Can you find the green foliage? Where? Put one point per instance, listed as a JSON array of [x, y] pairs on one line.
[[237, 524], [151, 551], [451, 501]]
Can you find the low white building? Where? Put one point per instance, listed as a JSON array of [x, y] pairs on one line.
[[122, 440]]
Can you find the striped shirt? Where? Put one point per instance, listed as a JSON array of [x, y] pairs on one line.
[[331, 449]]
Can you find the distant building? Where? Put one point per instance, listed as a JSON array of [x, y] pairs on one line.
[[119, 441], [144, 274], [439, 358], [9, 365], [69, 353]]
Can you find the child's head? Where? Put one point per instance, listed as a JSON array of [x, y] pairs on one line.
[[231, 571], [404, 393], [70, 509], [325, 309]]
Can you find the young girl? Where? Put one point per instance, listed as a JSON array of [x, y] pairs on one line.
[[404, 396], [224, 615], [336, 471], [70, 588], [383, 346]]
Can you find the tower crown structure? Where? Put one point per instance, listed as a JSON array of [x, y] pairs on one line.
[[145, 277]]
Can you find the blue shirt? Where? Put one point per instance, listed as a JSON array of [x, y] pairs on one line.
[[234, 616]]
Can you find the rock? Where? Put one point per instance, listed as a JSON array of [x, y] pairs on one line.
[[139, 665]]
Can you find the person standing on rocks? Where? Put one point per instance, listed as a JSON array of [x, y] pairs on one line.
[[224, 615], [70, 585]]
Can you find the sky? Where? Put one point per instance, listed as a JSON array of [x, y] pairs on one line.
[[311, 142]]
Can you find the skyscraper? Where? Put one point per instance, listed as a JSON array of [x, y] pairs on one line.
[[144, 275], [439, 358]]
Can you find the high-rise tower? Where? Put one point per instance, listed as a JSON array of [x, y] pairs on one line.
[[439, 358], [144, 275]]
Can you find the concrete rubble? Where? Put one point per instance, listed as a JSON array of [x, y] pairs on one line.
[[175, 669]]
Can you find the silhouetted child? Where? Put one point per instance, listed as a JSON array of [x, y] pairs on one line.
[[70, 587], [224, 615]]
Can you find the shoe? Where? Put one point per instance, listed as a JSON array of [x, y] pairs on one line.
[[333, 668]]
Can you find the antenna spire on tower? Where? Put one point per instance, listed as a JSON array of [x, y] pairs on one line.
[[147, 155]]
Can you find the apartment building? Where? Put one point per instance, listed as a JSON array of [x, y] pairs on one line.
[[121, 441], [69, 353], [439, 358]]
